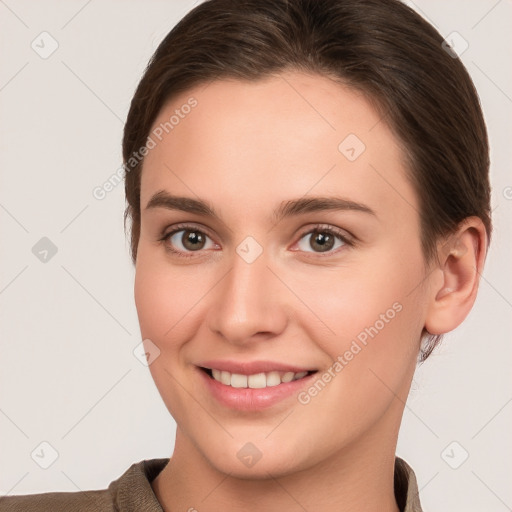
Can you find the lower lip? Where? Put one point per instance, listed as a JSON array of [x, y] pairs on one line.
[[249, 399]]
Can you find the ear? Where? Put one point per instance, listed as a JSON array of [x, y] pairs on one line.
[[461, 260]]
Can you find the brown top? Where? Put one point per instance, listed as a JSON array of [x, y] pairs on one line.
[[132, 492]]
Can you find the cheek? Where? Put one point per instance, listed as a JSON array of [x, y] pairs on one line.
[[170, 304], [160, 307], [374, 325], [152, 300], [373, 356], [351, 303], [164, 297]]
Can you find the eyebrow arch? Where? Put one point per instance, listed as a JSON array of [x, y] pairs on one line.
[[163, 199]]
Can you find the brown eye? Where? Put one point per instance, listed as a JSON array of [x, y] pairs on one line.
[[322, 240], [187, 240], [192, 240]]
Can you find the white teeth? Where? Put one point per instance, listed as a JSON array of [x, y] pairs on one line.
[[238, 381], [273, 379], [287, 377], [257, 380]]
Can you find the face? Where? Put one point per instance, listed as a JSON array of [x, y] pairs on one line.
[[303, 255]]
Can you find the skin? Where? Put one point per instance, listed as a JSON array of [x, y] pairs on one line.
[[245, 148]]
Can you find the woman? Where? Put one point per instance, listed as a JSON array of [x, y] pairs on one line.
[[307, 185]]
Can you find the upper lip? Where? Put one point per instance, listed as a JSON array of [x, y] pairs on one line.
[[252, 367]]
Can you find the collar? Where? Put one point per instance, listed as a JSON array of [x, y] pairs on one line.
[[132, 492]]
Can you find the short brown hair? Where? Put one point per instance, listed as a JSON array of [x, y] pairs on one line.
[[380, 47]]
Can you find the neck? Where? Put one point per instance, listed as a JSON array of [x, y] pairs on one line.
[[357, 478]]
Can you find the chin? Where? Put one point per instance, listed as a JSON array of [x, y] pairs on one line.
[[258, 460], [270, 466]]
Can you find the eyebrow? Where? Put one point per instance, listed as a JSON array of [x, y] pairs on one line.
[[292, 207]]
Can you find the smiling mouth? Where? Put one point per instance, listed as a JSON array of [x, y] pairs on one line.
[[256, 380]]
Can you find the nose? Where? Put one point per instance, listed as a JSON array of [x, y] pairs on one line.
[[248, 303]]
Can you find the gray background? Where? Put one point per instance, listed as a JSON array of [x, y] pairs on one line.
[[68, 375]]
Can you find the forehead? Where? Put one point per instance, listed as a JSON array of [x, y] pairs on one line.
[[253, 144]]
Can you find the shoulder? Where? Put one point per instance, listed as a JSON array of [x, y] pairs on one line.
[[130, 492], [59, 501]]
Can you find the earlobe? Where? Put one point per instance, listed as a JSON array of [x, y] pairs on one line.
[[461, 260]]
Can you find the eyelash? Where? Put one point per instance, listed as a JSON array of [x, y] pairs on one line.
[[319, 228]]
